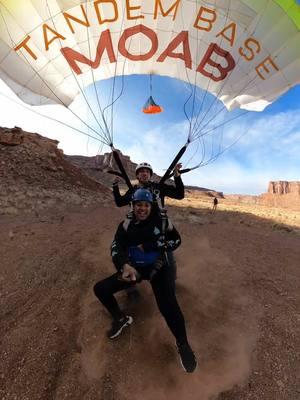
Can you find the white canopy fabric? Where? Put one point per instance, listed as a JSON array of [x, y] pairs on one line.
[[246, 53]]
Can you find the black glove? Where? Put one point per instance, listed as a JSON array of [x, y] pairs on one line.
[[159, 263]]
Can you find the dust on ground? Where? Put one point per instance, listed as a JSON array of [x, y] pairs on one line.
[[238, 285]]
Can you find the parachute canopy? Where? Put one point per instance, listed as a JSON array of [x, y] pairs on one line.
[[246, 53]]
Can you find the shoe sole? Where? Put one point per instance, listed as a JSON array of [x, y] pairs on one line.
[[183, 367], [129, 322]]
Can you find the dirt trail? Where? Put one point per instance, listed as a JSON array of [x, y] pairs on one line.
[[238, 286]]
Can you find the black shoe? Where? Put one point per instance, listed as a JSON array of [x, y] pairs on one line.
[[118, 326], [187, 357]]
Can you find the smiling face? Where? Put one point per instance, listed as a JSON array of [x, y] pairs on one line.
[[141, 210], [143, 175]]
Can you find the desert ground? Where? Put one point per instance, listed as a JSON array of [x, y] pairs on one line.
[[238, 285]]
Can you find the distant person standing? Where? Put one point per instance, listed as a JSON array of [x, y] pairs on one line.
[[215, 203]]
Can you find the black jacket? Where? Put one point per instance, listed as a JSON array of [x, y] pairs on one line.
[[148, 233], [166, 190]]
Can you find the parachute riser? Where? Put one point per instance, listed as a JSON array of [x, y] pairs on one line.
[[117, 173], [169, 171], [163, 258], [182, 171], [121, 168]]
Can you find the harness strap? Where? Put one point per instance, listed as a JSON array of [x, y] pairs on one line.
[[128, 219], [164, 221]]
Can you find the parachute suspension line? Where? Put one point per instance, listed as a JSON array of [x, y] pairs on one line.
[[169, 171], [193, 132], [195, 89], [78, 85], [218, 112], [194, 121], [115, 154], [224, 123], [193, 108], [226, 148], [185, 111], [221, 151], [200, 133], [203, 148], [192, 90], [194, 154], [173, 163], [107, 135], [87, 145], [123, 69], [197, 124], [114, 100], [190, 87], [55, 95], [150, 82], [224, 83], [201, 143], [46, 84], [217, 143], [50, 118], [211, 159], [100, 148]]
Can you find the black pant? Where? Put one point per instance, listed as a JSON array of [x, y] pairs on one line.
[[172, 265], [164, 291]]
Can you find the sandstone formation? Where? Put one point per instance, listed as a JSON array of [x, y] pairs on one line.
[[242, 198], [97, 167], [281, 194], [284, 187], [35, 176], [198, 192], [11, 137]]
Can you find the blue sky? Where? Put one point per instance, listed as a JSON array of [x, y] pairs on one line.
[[268, 147]]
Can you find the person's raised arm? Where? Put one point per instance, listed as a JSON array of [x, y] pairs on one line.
[[121, 200], [177, 191]]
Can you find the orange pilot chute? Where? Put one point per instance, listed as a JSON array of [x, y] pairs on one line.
[[151, 107]]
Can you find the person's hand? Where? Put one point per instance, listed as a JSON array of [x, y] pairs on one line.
[[141, 247], [177, 169], [116, 181], [129, 273]]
